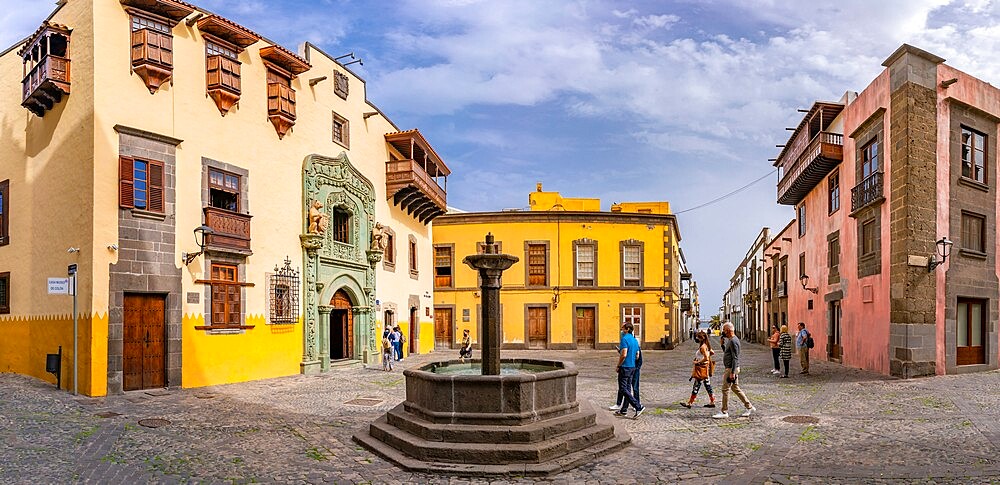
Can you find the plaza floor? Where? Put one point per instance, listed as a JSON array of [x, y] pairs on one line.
[[866, 429]]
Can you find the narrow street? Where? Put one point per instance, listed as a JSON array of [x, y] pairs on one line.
[[848, 426]]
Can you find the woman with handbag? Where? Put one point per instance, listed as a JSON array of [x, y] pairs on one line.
[[704, 366], [785, 348]]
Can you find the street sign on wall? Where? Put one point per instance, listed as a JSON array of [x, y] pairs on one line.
[[59, 286]]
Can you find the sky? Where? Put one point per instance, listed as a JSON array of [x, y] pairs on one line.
[[682, 101]]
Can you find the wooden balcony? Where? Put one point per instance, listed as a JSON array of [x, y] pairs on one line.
[[823, 153], [232, 231], [46, 84], [412, 183], [413, 190], [281, 107]]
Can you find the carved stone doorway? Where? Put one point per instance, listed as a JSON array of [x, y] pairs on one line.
[[341, 327]]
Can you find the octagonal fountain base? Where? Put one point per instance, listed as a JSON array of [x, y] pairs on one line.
[[526, 421]]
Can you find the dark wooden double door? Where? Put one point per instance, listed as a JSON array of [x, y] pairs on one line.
[[143, 342], [341, 327], [585, 327]]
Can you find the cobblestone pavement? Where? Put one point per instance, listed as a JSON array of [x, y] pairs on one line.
[[870, 429]]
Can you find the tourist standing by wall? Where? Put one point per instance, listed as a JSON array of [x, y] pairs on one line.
[[785, 348], [802, 342]]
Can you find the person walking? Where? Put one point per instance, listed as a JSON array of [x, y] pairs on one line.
[[635, 380], [775, 350], [466, 351], [802, 343], [785, 348], [730, 378], [704, 366], [626, 368]]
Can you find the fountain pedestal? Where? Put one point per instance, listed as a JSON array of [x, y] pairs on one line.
[[518, 416]]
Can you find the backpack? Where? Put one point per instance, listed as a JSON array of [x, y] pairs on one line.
[[809, 341]]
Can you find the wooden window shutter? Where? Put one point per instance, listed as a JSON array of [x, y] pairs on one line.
[[139, 46], [155, 187], [126, 194], [231, 73], [218, 304], [166, 44], [273, 102], [214, 71]]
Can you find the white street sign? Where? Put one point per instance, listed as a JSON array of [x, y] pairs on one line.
[[59, 286]]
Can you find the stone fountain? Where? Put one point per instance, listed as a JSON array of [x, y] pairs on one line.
[[492, 416]]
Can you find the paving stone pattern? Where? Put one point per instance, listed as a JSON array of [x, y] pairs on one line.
[[871, 429]]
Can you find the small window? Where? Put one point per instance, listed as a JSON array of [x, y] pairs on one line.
[[224, 190], [974, 155], [585, 258], [390, 248], [802, 219], [834, 191], [284, 284], [973, 232], [537, 265], [341, 225], [140, 185], [4, 212], [869, 159], [632, 265], [413, 256], [868, 242], [341, 131], [833, 254], [802, 265], [226, 295], [442, 266], [5, 293]]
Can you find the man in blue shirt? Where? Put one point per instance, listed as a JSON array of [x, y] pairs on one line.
[[629, 349], [800, 343]]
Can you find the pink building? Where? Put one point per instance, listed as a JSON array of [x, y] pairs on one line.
[[877, 180]]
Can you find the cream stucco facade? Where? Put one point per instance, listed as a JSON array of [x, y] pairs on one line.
[[65, 179]]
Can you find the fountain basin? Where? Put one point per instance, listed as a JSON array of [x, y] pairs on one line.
[[441, 392]]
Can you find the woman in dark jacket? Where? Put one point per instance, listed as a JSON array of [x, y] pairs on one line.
[[785, 348]]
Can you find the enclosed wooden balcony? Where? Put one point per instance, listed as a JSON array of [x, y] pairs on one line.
[[46, 68], [417, 183], [810, 154], [232, 230]]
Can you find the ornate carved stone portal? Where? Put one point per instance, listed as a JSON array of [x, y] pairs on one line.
[[337, 258]]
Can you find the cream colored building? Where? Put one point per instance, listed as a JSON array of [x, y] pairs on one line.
[[125, 125]]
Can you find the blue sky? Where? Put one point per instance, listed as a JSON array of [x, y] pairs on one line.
[[626, 101]]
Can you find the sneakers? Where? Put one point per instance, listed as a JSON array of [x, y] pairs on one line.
[[619, 413], [775, 371], [638, 412], [721, 415], [748, 412], [614, 407], [709, 405]]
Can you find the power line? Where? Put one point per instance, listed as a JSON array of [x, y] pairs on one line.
[[726, 196]]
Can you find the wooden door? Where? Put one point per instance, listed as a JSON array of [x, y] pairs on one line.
[[443, 337], [971, 331], [585, 327], [538, 327], [835, 351], [341, 327], [414, 337], [144, 335]]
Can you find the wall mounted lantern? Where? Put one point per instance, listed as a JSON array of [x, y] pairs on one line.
[[804, 279], [944, 249], [199, 238]]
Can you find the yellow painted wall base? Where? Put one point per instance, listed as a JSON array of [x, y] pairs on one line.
[[24, 342], [262, 352]]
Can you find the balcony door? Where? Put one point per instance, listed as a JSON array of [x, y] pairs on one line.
[[834, 348], [971, 331]]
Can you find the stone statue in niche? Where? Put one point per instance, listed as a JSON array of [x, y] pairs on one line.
[[318, 220], [378, 237]]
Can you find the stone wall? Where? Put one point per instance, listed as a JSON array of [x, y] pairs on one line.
[[912, 184]]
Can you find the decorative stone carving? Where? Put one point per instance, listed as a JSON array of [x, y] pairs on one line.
[[340, 84], [318, 220], [378, 239]]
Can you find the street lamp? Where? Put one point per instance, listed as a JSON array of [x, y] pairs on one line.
[[944, 249], [804, 279], [199, 238]]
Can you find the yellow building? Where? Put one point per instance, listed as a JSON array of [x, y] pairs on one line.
[[236, 211], [582, 273]]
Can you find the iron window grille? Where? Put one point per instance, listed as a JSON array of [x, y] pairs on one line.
[[283, 287]]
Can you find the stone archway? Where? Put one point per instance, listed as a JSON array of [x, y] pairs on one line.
[[337, 260]]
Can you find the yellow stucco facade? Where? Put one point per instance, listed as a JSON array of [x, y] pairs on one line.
[[65, 182], [557, 302]]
